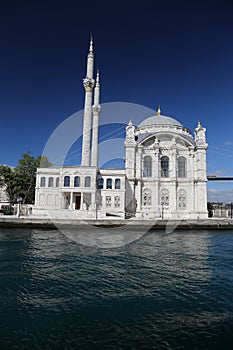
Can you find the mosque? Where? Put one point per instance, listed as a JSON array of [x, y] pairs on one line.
[[164, 175]]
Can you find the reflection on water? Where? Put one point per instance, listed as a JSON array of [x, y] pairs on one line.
[[163, 291]]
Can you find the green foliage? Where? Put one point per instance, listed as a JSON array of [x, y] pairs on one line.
[[21, 181]]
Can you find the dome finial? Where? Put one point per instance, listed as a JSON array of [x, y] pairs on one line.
[[159, 110]]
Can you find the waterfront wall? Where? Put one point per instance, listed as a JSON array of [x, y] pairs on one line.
[[32, 222]]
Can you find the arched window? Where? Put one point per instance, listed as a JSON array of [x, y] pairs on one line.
[[182, 199], [117, 184], [66, 181], [164, 197], [147, 169], [57, 182], [76, 181], [109, 184], [42, 181], [100, 183], [87, 181], [50, 184], [164, 166], [181, 167], [146, 197]]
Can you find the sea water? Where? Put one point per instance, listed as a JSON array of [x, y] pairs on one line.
[[162, 291]]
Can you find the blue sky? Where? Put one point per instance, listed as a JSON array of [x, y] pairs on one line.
[[173, 53]]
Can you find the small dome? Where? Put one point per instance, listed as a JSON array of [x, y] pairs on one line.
[[159, 120]]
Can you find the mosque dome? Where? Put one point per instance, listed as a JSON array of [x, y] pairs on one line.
[[160, 120]]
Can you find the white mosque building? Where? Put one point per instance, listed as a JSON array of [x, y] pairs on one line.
[[164, 176]]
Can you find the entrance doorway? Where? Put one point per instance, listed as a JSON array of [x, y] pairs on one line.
[[78, 201]]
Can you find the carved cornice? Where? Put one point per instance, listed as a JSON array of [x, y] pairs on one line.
[[88, 84], [96, 109]]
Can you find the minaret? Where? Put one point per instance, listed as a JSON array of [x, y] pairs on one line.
[[95, 129], [88, 84]]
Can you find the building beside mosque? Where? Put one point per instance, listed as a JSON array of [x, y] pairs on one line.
[[164, 175]]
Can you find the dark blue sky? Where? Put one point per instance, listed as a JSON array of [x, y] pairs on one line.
[[174, 53]]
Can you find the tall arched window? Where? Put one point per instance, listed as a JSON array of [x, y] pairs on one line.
[[146, 197], [42, 181], [182, 199], [87, 181], [147, 169], [117, 184], [76, 181], [66, 181], [181, 167], [164, 166], [164, 197], [57, 182], [50, 184], [109, 184], [100, 183]]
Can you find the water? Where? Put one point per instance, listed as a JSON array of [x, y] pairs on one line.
[[164, 291]]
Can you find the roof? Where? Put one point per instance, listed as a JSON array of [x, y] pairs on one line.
[[159, 120]]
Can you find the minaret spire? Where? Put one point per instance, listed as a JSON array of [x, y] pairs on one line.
[[88, 84], [95, 130], [91, 44], [159, 110]]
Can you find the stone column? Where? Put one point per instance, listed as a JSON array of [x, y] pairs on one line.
[[95, 130]]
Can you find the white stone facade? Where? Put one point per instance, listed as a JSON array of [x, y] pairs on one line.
[[164, 175], [166, 169]]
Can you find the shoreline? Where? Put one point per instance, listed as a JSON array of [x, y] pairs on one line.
[[46, 223]]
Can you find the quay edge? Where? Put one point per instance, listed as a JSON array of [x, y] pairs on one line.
[[46, 223]]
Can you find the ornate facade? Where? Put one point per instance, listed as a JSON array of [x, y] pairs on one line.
[[164, 175]]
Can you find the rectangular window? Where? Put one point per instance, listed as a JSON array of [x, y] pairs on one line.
[[117, 184], [109, 184], [87, 181], [100, 183], [117, 201], [108, 201]]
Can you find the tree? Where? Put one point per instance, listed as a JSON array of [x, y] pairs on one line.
[[8, 179], [21, 180]]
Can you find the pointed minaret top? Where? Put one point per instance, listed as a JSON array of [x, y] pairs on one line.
[[199, 124], [91, 44], [159, 110]]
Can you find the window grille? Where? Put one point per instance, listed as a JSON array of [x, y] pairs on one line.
[[117, 201], [146, 197], [164, 197], [108, 201], [182, 200]]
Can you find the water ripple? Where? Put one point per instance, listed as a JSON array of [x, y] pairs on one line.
[[164, 291]]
